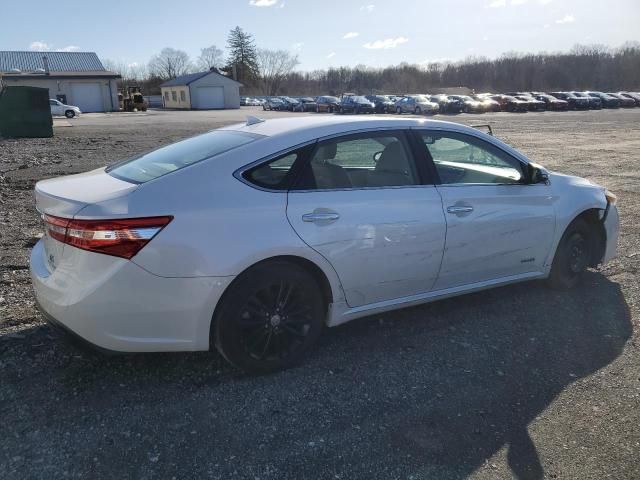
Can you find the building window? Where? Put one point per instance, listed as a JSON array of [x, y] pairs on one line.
[[166, 96], [174, 96], [183, 97]]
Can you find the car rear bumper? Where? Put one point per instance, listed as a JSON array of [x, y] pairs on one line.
[[116, 305]]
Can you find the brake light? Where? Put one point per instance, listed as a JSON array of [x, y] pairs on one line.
[[119, 237]]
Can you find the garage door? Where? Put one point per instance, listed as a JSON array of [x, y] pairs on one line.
[[87, 96], [209, 97]]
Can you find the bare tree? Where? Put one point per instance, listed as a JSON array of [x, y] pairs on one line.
[[170, 63], [210, 57], [273, 67]]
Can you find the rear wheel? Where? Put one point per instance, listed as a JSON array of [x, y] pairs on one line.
[[69, 114], [573, 255], [270, 318]]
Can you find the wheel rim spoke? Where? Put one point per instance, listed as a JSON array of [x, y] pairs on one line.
[[275, 321]]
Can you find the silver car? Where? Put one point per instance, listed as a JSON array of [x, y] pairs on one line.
[[417, 104], [254, 237]]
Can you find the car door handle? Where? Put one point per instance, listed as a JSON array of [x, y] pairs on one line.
[[320, 217], [460, 209]]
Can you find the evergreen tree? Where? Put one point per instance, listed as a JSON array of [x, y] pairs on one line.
[[243, 56]]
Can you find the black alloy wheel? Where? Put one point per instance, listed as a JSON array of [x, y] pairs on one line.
[[573, 255], [270, 318]]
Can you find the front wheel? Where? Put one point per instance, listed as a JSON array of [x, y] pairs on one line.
[[270, 318], [573, 256], [398, 110], [69, 114], [418, 111]]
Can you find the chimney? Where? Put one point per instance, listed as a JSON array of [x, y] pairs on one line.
[[45, 62]]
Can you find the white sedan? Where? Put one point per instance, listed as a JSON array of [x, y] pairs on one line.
[[254, 237], [59, 109]]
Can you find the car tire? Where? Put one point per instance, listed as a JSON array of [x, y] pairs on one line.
[[270, 318], [69, 114], [418, 111], [573, 256], [399, 111]]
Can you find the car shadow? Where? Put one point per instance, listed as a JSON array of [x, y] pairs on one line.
[[436, 389], [504, 357]]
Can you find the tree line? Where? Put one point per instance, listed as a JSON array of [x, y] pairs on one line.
[[273, 72]]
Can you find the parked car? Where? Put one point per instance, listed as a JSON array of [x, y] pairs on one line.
[[607, 100], [534, 104], [291, 104], [307, 104], [140, 256], [551, 102], [595, 103], [625, 102], [382, 103], [273, 103], [634, 96], [418, 104], [59, 109], [446, 104], [350, 103], [470, 105], [511, 104], [488, 104], [327, 104], [574, 102]]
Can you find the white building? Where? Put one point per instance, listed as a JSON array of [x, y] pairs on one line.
[[201, 91], [74, 78]]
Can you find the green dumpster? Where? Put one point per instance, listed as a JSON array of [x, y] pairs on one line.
[[25, 112]]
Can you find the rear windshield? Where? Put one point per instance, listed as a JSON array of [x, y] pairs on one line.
[[157, 163]]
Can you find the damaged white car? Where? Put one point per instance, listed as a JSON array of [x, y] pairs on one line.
[[252, 238]]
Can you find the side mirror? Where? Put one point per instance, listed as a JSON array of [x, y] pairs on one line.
[[537, 174]]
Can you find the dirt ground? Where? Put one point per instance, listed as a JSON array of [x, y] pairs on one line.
[[517, 382]]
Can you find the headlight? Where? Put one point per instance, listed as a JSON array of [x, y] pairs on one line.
[[611, 198]]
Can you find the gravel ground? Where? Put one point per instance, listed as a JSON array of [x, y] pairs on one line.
[[517, 382]]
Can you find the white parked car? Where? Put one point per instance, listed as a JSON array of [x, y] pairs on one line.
[[253, 237], [58, 109]]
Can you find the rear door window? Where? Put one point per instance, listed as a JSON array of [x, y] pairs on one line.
[[164, 160]]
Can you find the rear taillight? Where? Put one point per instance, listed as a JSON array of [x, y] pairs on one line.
[[121, 237]]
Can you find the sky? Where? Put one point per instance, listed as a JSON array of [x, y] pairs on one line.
[[322, 33]]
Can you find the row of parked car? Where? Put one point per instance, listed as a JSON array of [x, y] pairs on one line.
[[441, 103]]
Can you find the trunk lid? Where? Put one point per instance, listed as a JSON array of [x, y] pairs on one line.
[[66, 196]]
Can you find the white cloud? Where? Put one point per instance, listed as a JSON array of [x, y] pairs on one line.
[[497, 4], [331, 55], [40, 46], [436, 60], [48, 47], [546, 25], [385, 44], [566, 19], [368, 8], [544, 2], [263, 3], [349, 35], [281, 5], [297, 46], [485, 38], [518, 2]]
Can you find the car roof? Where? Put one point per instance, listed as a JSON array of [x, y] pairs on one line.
[[317, 126]]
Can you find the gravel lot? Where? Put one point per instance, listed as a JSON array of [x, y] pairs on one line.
[[515, 382]]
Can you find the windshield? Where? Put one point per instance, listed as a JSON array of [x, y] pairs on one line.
[[164, 160], [360, 100]]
